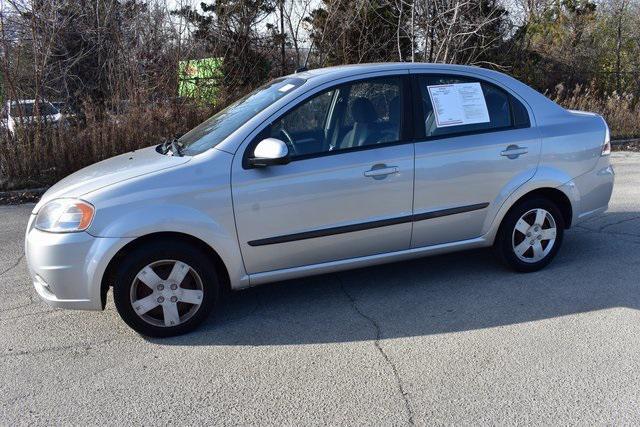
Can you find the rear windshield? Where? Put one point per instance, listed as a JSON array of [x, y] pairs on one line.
[[215, 129]]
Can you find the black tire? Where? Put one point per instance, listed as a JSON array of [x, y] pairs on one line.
[[504, 243], [133, 262]]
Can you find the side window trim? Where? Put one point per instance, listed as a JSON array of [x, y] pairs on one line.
[[420, 131], [407, 132]]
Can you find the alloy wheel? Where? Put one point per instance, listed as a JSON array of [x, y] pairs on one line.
[[534, 235], [166, 293]]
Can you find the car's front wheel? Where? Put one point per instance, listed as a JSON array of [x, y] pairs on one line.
[[530, 235], [164, 289]]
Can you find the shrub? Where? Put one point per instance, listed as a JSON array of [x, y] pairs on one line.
[[621, 111], [38, 156]]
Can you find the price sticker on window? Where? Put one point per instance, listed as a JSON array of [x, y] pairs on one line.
[[458, 104]]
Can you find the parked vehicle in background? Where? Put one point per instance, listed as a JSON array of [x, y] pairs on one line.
[[318, 172], [59, 105], [70, 114], [24, 113]]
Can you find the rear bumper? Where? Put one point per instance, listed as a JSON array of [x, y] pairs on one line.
[[592, 191], [67, 268]]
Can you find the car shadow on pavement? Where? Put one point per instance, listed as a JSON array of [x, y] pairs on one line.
[[596, 269]]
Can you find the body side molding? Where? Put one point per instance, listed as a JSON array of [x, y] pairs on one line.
[[365, 225]]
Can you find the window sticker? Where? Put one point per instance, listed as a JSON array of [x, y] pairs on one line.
[[287, 87], [458, 104]]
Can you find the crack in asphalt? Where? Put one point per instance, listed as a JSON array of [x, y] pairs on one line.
[[32, 301], [46, 312], [36, 393], [17, 307], [87, 346], [601, 229], [384, 355], [3, 272], [618, 222], [612, 233], [17, 399]]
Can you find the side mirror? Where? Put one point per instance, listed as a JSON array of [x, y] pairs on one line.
[[268, 152]]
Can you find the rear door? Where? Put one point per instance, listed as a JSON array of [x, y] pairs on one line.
[[348, 190], [466, 165]]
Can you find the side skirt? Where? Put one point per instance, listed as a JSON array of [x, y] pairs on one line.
[[352, 263]]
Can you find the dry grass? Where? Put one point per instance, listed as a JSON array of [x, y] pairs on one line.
[[38, 157], [621, 111]]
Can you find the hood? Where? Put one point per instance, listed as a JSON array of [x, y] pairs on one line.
[[109, 172]]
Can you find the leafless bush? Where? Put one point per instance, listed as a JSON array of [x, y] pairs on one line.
[[37, 158], [621, 111]]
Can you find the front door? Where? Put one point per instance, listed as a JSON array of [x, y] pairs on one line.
[[346, 193]]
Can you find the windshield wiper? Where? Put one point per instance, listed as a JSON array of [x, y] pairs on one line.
[[172, 145], [176, 147]]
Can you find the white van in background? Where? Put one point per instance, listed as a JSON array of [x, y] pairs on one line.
[[23, 113]]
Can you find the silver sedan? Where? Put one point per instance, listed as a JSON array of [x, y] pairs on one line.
[[317, 172]]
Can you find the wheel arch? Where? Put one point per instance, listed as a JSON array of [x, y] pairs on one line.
[[562, 195], [107, 277], [558, 197]]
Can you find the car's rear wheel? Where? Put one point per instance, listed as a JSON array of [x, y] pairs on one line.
[[530, 235], [164, 289]]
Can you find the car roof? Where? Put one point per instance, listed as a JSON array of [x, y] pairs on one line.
[[322, 75], [23, 101], [535, 99], [383, 66], [27, 101]]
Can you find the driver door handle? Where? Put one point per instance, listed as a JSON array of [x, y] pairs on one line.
[[381, 171]]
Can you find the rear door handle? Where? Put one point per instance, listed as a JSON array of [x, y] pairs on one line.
[[381, 171], [513, 151]]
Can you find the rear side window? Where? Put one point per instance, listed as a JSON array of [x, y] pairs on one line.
[[520, 114], [465, 105]]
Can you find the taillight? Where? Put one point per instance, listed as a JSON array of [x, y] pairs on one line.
[[606, 147]]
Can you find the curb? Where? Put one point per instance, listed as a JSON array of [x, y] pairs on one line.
[[16, 197], [625, 141]]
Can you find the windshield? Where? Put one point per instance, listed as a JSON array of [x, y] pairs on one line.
[[215, 129], [26, 109]]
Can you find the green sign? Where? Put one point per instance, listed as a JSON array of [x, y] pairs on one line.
[[200, 79]]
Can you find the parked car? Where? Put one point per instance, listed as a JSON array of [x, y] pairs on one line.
[[23, 113], [70, 114], [317, 172]]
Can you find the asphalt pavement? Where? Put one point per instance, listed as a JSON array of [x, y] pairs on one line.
[[454, 339]]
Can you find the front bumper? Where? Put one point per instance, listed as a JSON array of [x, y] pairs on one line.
[[67, 268]]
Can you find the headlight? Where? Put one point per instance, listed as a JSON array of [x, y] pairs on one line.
[[65, 216]]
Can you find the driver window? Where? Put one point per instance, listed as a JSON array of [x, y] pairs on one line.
[[303, 129], [350, 116]]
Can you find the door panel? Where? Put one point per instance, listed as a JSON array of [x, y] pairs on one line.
[[467, 172], [304, 212]]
